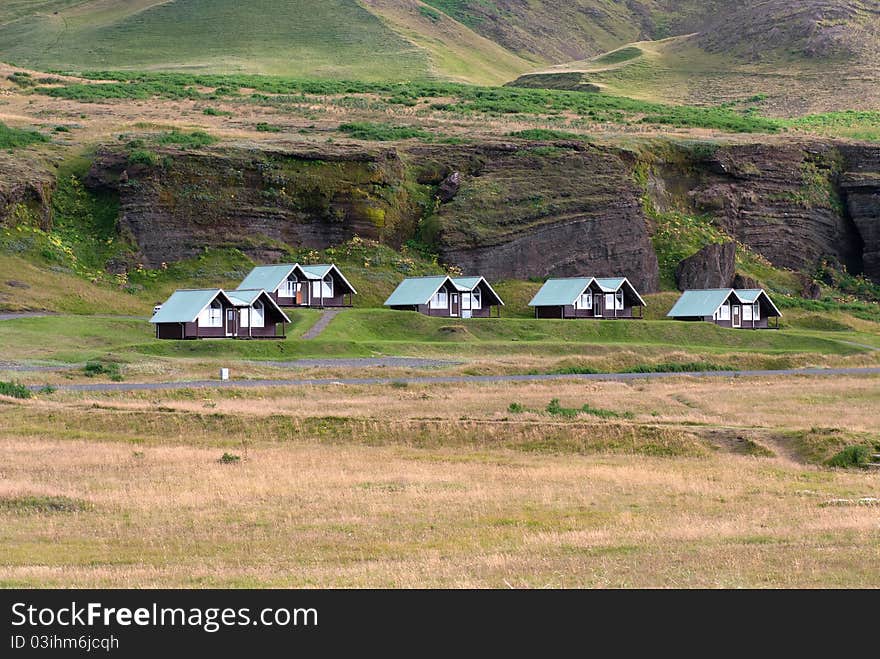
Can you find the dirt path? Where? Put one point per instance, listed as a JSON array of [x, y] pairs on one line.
[[455, 379], [327, 316]]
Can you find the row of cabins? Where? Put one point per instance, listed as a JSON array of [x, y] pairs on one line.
[[255, 308]]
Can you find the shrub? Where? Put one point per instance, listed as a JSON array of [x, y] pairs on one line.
[[852, 456], [214, 112], [263, 127], [516, 408], [143, 157], [14, 389], [554, 408], [95, 368], [229, 458], [48, 389]]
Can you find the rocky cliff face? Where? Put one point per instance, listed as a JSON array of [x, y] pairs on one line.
[[791, 203], [545, 210], [25, 189], [860, 190], [255, 200], [504, 209]]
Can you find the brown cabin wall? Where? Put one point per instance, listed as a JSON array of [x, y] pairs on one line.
[[335, 301], [568, 311]]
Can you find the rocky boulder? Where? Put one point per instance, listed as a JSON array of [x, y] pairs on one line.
[[711, 267]]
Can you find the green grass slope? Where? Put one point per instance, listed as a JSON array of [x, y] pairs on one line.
[[333, 38]]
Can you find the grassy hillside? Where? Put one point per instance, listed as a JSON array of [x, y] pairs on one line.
[[333, 38], [689, 70]]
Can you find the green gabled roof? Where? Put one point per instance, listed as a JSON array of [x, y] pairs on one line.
[[610, 284], [184, 306], [750, 295], [415, 290], [317, 271], [320, 270], [704, 302], [267, 277], [246, 297], [560, 292], [467, 284]]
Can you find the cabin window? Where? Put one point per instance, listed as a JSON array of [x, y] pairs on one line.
[[476, 301], [466, 301], [289, 288], [747, 312], [724, 312], [756, 314], [258, 319], [584, 301], [440, 300], [244, 317], [609, 301], [323, 288], [618, 298], [214, 315]]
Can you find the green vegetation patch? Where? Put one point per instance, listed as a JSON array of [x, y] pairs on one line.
[[852, 456], [547, 134], [678, 367], [619, 55], [382, 132], [192, 140], [14, 389], [13, 138], [42, 504]]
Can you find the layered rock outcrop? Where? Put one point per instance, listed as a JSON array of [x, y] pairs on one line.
[[504, 209], [255, 200], [712, 267]]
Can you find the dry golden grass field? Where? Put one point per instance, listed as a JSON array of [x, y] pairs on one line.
[[680, 482]]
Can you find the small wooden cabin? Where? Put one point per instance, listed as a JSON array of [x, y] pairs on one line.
[[295, 285], [461, 297], [588, 297], [741, 308], [217, 314]]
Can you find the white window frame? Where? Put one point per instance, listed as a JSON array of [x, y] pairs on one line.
[[466, 301], [584, 301], [243, 317], [289, 287], [756, 311], [259, 314], [747, 312], [476, 300], [724, 311], [609, 301], [618, 300], [212, 316], [440, 300], [322, 289]]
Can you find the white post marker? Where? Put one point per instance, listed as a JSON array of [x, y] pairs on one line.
[[224, 373]]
